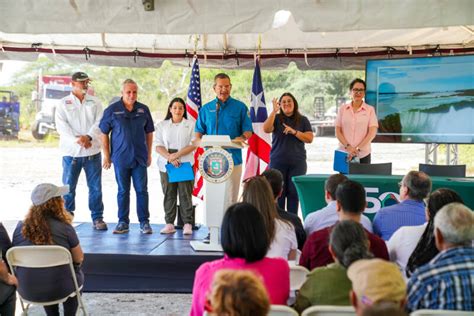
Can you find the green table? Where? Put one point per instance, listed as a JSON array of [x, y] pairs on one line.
[[381, 190]]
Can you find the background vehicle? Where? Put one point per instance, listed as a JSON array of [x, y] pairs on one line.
[[9, 114], [50, 89], [323, 123]]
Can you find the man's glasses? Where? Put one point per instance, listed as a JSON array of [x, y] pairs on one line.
[[358, 90]]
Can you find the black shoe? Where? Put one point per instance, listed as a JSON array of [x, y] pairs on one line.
[[99, 224], [207, 240], [146, 228], [121, 228]]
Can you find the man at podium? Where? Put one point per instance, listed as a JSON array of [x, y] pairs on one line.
[[226, 116]]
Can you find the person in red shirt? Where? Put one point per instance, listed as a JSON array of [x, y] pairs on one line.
[[350, 203]]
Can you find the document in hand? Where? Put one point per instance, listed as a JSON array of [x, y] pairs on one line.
[[179, 174], [340, 162]]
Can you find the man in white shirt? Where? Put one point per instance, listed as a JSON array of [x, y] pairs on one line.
[[77, 119], [327, 216]]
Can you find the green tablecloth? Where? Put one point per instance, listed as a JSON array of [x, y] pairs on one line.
[[381, 190]]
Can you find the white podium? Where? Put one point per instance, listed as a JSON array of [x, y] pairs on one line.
[[216, 166]]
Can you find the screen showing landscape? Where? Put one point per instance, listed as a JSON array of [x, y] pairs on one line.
[[423, 100]]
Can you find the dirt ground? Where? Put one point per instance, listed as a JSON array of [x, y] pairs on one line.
[[22, 167]]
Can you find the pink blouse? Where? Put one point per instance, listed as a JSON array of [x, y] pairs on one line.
[[355, 125], [274, 272]]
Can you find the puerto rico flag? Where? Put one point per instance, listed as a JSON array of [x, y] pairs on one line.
[[258, 153], [193, 105]]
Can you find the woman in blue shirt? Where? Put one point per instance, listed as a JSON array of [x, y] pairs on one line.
[[290, 131]]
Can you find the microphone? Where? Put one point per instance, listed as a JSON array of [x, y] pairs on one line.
[[218, 106]]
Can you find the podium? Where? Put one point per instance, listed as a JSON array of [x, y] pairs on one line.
[[216, 166]]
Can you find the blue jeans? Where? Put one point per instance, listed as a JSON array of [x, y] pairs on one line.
[[92, 166], [138, 175]]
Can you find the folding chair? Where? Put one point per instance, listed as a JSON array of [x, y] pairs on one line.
[[436, 312], [327, 310], [43, 257], [297, 277], [282, 310]]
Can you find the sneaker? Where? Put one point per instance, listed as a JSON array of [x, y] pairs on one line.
[[188, 229], [168, 229], [99, 224], [146, 228], [121, 228]]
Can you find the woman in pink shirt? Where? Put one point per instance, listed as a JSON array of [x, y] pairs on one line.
[[245, 246], [356, 124]]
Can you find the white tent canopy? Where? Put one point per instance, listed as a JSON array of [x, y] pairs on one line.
[[316, 34]]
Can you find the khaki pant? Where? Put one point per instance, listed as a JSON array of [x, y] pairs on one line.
[[171, 191]]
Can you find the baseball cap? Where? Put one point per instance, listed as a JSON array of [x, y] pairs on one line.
[[375, 280], [80, 76], [45, 191]]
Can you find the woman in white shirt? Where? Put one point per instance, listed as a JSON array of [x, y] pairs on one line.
[[173, 143], [413, 246], [258, 192]]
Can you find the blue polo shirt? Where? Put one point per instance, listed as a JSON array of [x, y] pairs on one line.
[[234, 120], [128, 138]]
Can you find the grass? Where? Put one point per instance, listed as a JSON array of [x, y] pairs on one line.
[[26, 140]]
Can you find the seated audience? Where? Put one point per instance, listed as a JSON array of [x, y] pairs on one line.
[[329, 285], [375, 281], [350, 203], [415, 245], [48, 223], [327, 216], [245, 246], [8, 282], [280, 232], [238, 293], [384, 309], [275, 178], [447, 281], [414, 187]]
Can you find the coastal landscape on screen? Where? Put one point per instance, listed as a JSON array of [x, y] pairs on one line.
[[423, 100]]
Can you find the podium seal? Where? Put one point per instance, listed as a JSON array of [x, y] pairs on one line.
[[216, 165]]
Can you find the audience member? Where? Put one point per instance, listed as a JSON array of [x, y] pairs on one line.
[[414, 187], [48, 223], [384, 309], [329, 285], [280, 232], [327, 216], [238, 293], [416, 244], [447, 281], [275, 178], [350, 202], [375, 281], [8, 282], [245, 247]]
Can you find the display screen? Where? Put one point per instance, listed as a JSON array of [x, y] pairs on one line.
[[423, 100]]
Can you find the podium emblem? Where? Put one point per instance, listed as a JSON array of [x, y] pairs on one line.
[[216, 165]]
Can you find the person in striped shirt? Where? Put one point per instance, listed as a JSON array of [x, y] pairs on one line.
[[447, 281]]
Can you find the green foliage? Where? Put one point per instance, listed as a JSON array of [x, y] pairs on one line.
[[159, 85]]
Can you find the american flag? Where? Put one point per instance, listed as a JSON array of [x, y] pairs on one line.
[[258, 154], [193, 105]]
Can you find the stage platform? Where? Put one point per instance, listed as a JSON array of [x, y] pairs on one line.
[[135, 262]]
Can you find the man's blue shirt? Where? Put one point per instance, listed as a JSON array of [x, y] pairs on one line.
[[389, 219], [128, 133], [233, 119]]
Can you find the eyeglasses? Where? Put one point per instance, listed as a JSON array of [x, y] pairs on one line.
[[358, 90]]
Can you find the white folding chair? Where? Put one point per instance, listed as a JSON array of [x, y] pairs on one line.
[[297, 277], [282, 310], [327, 310], [43, 257], [436, 312]]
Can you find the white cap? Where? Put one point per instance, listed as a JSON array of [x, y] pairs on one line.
[[43, 192]]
